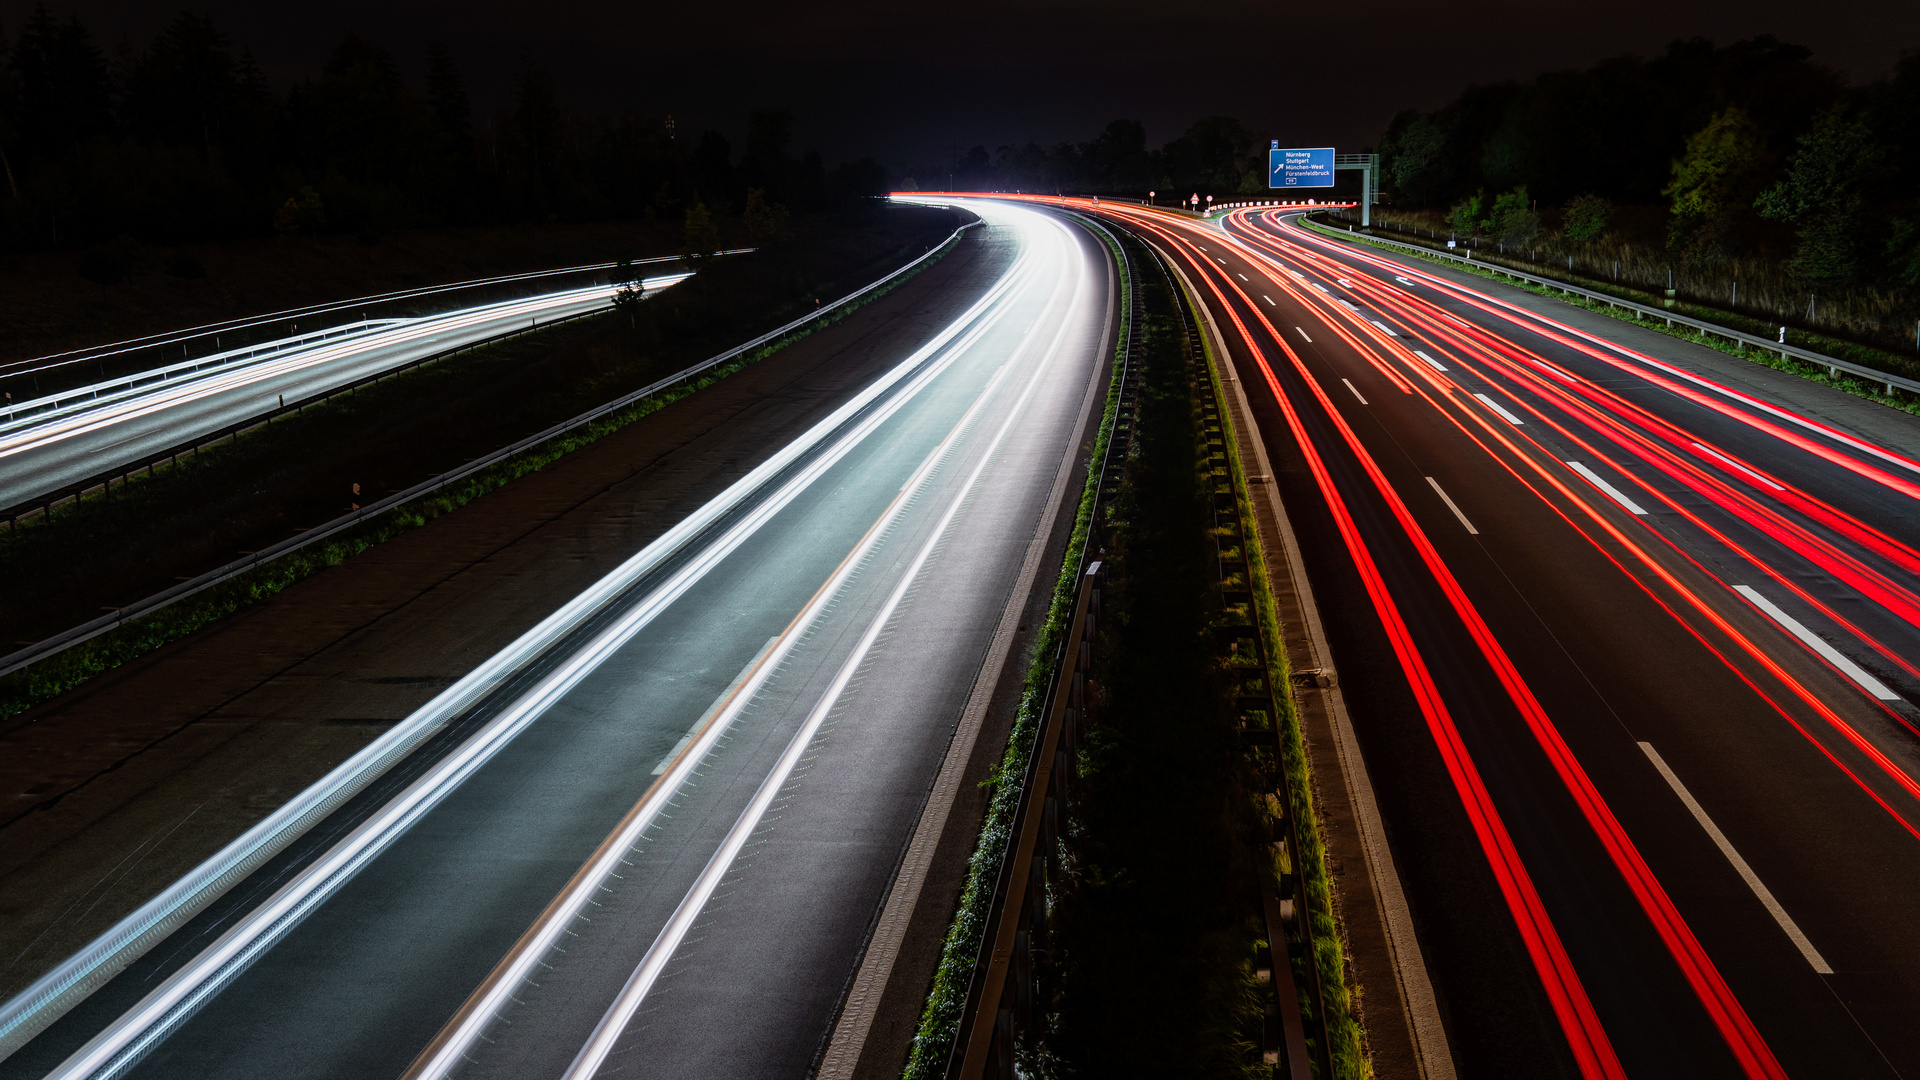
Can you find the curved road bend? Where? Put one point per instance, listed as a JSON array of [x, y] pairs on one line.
[[1707, 822], [822, 635], [48, 451]]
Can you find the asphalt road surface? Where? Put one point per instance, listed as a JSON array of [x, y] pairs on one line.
[[49, 445], [659, 843], [1629, 634]]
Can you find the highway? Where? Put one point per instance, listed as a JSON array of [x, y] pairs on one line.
[[650, 836], [52, 443], [1628, 632]]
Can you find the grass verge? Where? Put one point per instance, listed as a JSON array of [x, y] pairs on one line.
[[64, 671], [1846, 350]]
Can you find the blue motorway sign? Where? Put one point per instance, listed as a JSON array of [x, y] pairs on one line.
[[1300, 168]]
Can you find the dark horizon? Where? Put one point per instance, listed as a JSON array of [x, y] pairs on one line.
[[885, 82]]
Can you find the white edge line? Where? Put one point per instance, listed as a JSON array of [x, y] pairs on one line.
[[319, 799], [1752, 879], [1818, 644], [613, 1024]]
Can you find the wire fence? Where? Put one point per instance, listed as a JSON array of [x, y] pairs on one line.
[[1761, 289]]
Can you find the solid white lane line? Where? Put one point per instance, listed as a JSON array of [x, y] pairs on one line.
[[599, 1045], [1269, 300], [1746, 872], [1499, 408], [1435, 364], [1356, 392], [1303, 334], [167, 1005], [1818, 644], [1437, 490], [1613, 493], [1703, 448], [1391, 332]]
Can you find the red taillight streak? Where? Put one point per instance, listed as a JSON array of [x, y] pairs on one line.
[[1748, 1047], [1424, 312], [1559, 334], [1581, 1024], [1848, 732], [1893, 597]]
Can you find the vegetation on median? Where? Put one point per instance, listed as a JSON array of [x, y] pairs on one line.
[[1155, 923], [1343, 1023], [947, 1000]]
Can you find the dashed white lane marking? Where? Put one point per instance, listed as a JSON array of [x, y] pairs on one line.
[[1303, 334], [1321, 287], [1242, 277], [1436, 365], [1351, 306], [1269, 300], [1613, 493], [1356, 392], [1818, 644], [1499, 408], [1746, 872], [1702, 447], [1437, 490], [1403, 281], [1391, 332]]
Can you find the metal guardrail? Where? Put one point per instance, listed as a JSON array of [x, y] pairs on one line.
[[40, 650], [1288, 919], [1833, 364], [78, 976], [174, 346], [1005, 993], [46, 501], [1000, 996]]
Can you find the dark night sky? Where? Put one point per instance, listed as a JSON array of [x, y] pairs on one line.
[[904, 82]]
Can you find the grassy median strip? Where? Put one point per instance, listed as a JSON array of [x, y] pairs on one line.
[[1154, 922], [1846, 350], [68, 669], [947, 1000], [1344, 1030]]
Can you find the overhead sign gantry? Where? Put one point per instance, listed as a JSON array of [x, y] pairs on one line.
[[1315, 167]]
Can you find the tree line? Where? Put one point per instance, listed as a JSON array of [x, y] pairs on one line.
[[184, 140], [1217, 155], [1747, 147]]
